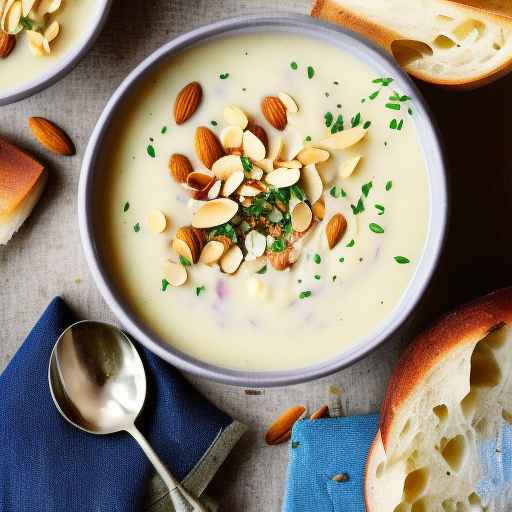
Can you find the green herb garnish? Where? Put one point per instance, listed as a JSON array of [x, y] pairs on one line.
[[185, 261], [200, 289], [296, 191], [384, 81], [294, 65], [351, 243], [343, 193], [393, 124], [373, 95], [356, 120], [213, 122], [224, 229], [366, 188], [277, 245], [410, 111], [389, 184], [334, 192], [126, 206], [136, 227], [367, 125], [380, 208], [317, 277], [305, 294], [246, 163], [308, 138], [151, 151], [393, 106], [328, 119], [400, 124], [376, 228], [163, 130], [26, 23], [317, 259], [342, 259], [311, 72], [402, 260], [223, 76], [358, 208], [262, 270], [165, 284], [338, 125]]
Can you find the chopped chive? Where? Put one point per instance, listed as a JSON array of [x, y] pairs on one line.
[[200, 289], [136, 227], [358, 208], [262, 270], [402, 260], [317, 277], [294, 65], [400, 124], [384, 81], [311, 72], [328, 119], [165, 284], [213, 122], [380, 208], [356, 120], [151, 151], [373, 95], [366, 188], [405, 98], [367, 125], [317, 259], [126, 206], [376, 228], [342, 259], [223, 76], [185, 261], [393, 124], [163, 130], [389, 184], [351, 243], [305, 294], [393, 106]]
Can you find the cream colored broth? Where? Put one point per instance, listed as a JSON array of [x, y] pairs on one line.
[[227, 324], [22, 66]]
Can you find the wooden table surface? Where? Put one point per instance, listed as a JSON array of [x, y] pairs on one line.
[[45, 258]]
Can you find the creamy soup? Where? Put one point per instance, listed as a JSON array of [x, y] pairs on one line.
[[31, 56], [328, 299]]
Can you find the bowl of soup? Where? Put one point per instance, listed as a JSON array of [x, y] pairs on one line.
[[263, 200], [42, 40]]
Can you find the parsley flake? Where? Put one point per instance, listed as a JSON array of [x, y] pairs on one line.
[[338, 125], [393, 106], [373, 95], [294, 65], [384, 81], [163, 130], [126, 206], [389, 184], [305, 294], [246, 163], [223, 76], [376, 228], [380, 208], [402, 260], [351, 243], [213, 122], [165, 284], [366, 188], [317, 259], [185, 261], [356, 120], [136, 227], [317, 277], [393, 124], [342, 259], [328, 119], [367, 125], [151, 151], [262, 270], [277, 245], [358, 208], [199, 290], [311, 72]]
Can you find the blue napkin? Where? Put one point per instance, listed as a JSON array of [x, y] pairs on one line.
[[48, 465], [323, 449]]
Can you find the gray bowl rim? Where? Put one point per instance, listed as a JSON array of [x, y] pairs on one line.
[[293, 23], [69, 61]]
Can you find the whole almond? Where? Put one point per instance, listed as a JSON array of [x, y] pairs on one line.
[[284, 259], [208, 147], [335, 229], [180, 167], [279, 430], [7, 42], [51, 136], [274, 111], [194, 238], [187, 101], [259, 132], [322, 412], [318, 209]]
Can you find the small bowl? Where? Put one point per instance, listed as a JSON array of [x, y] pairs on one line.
[[364, 51], [68, 61]]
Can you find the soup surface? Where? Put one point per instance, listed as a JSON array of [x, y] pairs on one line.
[[260, 318], [25, 65]]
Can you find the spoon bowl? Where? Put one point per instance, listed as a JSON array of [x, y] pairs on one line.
[[98, 384]]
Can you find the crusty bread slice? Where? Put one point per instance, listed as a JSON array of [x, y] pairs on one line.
[[502, 7], [439, 41], [451, 390], [22, 180]]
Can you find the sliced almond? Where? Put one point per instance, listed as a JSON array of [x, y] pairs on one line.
[[52, 31], [157, 221], [226, 166], [7, 43], [11, 17], [175, 273], [180, 167], [233, 181], [335, 229], [208, 147], [26, 6], [311, 183], [182, 249], [249, 267], [274, 111], [214, 213], [275, 148], [318, 209], [349, 166], [259, 132], [51, 136], [212, 252], [256, 173], [301, 217], [252, 146], [293, 142], [194, 240], [266, 164], [199, 179], [214, 189], [48, 6], [288, 102], [235, 116], [255, 243], [283, 177], [230, 262], [231, 136], [187, 102], [310, 156], [289, 164], [343, 139], [282, 426], [225, 241], [248, 190]]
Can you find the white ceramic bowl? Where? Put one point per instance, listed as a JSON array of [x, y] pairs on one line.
[[308, 27], [66, 64]]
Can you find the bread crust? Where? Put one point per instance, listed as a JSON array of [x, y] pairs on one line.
[[329, 10], [19, 174]]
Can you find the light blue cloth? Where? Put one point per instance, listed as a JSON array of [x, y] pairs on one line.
[[322, 449]]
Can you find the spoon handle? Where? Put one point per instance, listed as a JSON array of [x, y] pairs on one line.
[[180, 498]]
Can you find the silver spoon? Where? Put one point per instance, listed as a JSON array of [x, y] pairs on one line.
[[98, 384]]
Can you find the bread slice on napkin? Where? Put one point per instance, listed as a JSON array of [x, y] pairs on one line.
[[22, 180], [439, 41], [450, 392]]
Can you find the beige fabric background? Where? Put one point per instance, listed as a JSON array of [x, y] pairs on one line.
[[45, 258]]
